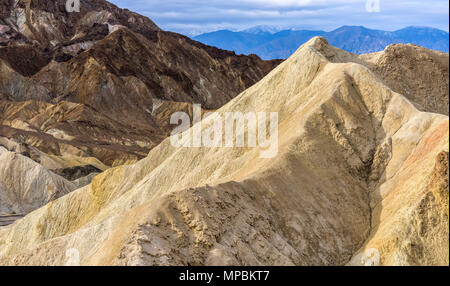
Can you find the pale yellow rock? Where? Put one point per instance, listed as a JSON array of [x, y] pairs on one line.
[[53, 162], [353, 169], [25, 185]]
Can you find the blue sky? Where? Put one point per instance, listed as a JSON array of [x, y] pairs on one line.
[[192, 17]]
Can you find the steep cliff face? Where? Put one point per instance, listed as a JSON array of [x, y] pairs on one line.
[[98, 85], [359, 179]]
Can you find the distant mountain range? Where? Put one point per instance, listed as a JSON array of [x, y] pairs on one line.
[[271, 43]]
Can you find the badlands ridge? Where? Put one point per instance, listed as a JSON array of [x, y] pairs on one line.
[[361, 178]]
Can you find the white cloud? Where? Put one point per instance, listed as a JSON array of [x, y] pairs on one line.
[[197, 16]]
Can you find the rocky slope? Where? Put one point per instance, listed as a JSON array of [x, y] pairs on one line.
[[94, 88], [360, 178], [25, 185], [421, 75]]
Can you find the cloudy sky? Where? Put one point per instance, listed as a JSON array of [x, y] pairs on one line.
[[192, 17]]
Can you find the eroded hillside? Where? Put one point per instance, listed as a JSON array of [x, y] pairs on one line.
[[360, 178], [94, 89]]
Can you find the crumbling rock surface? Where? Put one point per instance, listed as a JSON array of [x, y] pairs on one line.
[[359, 179], [420, 74], [89, 85], [25, 185]]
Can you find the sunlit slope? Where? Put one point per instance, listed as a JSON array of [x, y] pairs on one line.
[[26, 185], [347, 145]]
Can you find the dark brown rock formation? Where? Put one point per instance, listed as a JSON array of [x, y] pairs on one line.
[[86, 85]]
